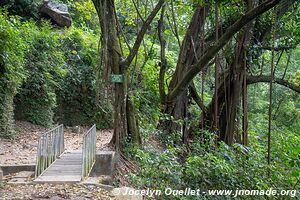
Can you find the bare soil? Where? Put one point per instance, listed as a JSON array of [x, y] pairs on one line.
[[53, 192]]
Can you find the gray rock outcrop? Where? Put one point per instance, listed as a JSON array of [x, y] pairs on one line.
[[57, 12]]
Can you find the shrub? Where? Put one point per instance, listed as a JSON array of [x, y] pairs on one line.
[[24, 8], [210, 167], [76, 97], [12, 71], [36, 99]]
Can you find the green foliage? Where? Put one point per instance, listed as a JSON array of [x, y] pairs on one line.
[[84, 15], [157, 170], [24, 8], [12, 49], [76, 97], [59, 66], [12, 53], [209, 167], [284, 157], [45, 63], [147, 94]]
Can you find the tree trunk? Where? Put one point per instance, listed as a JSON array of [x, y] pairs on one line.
[[188, 66], [190, 48], [112, 63], [132, 122], [214, 49], [229, 102]]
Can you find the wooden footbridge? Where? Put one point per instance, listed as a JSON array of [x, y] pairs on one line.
[[55, 165]]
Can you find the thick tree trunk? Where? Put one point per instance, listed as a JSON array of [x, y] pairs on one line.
[[191, 47], [112, 63], [132, 123], [120, 114], [188, 67], [229, 98], [228, 108], [214, 49]]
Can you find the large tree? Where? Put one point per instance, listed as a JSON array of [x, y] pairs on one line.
[[197, 51], [115, 63], [222, 113]]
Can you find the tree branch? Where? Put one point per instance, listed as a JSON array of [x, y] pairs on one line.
[[266, 79], [175, 24], [163, 63], [211, 52], [137, 11], [196, 97], [141, 33]]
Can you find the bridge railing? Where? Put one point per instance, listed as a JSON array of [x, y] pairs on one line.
[[88, 151], [50, 146]]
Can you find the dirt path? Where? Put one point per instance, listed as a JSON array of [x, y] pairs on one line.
[[22, 150], [53, 192]]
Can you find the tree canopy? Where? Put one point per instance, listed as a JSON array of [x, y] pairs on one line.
[[198, 93]]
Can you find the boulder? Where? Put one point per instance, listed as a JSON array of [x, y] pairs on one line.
[[57, 12]]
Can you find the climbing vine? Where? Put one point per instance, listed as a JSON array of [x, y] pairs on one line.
[[36, 99], [12, 71]]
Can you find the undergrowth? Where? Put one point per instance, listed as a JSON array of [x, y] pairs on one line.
[[206, 166]]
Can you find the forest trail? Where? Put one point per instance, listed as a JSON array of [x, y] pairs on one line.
[[57, 191], [22, 150], [198, 94]]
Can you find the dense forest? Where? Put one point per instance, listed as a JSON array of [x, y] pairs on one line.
[[198, 94]]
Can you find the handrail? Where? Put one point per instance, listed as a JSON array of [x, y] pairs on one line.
[[88, 151], [50, 146]]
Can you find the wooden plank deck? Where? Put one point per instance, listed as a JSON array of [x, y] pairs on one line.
[[66, 169]]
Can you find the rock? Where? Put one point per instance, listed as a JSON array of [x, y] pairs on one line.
[[58, 12], [126, 193]]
